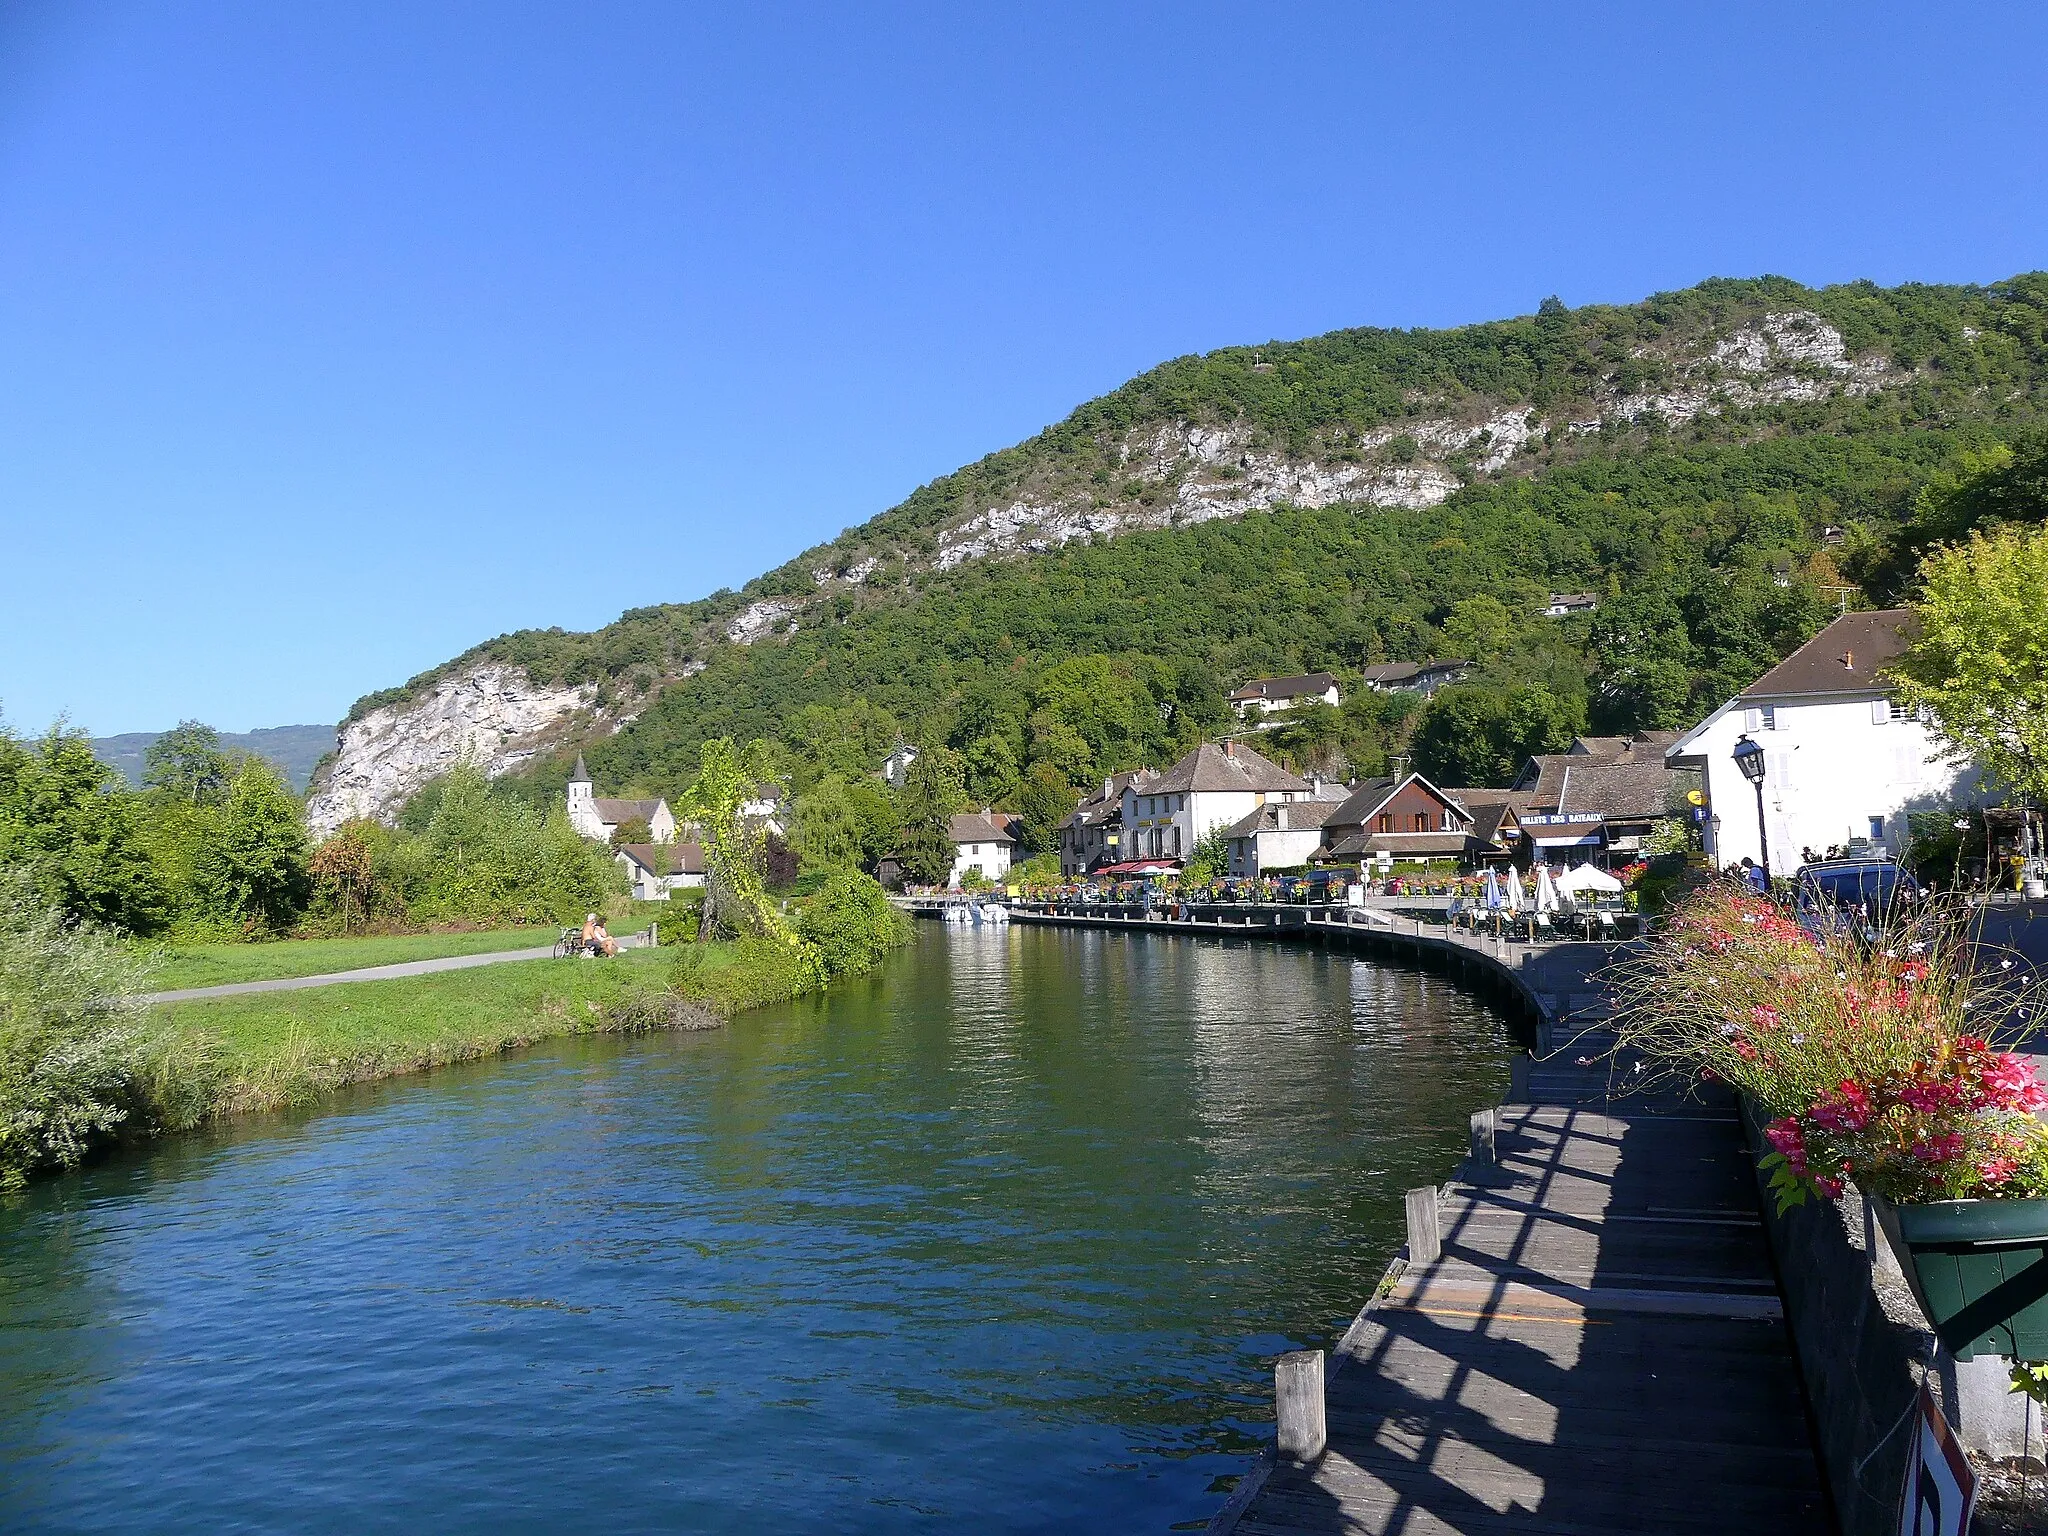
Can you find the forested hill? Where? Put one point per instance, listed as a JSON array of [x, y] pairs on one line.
[[1083, 598]]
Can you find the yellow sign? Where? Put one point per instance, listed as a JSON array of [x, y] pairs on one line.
[[1694, 797]]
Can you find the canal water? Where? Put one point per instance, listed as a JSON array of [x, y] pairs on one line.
[[1002, 1239]]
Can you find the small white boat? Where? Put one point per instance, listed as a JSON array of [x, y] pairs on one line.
[[991, 912], [957, 912]]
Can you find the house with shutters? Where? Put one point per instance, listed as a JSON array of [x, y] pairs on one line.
[[1268, 696], [982, 845], [1406, 819], [1284, 834], [597, 817], [1093, 835], [1423, 677], [1216, 785], [1844, 759]]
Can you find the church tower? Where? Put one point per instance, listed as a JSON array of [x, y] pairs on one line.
[[582, 808]]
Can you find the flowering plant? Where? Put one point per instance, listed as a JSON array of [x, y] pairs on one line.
[[1877, 1061]]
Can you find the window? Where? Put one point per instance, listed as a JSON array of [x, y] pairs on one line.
[[1877, 829], [1767, 718], [1898, 709], [1386, 823], [1421, 822]]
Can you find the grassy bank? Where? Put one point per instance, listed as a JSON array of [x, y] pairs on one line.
[[215, 965], [223, 1056]]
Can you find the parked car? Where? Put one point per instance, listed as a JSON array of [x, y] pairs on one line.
[[1856, 896]]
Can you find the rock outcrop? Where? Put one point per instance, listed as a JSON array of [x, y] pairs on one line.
[[491, 714]]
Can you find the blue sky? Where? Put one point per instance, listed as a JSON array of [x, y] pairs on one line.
[[339, 338]]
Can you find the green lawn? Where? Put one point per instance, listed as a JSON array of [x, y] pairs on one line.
[[214, 965], [260, 1050]]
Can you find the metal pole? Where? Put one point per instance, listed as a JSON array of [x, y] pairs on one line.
[[1763, 838]]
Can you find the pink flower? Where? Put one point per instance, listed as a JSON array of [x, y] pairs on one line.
[[1996, 1170], [1746, 1051], [2010, 1083], [1931, 1098], [1830, 1187], [1763, 1016], [1939, 1149], [1790, 1142], [1847, 1110]]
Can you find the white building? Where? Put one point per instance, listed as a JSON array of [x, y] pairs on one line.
[[1279, 835], [1277, 695], [656, 869], [1213, 786], [599, 818], [896, 766], [1423, 677], [1844, 760], [981, 845]]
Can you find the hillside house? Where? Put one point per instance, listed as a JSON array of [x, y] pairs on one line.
[[1277, 695], [982, 845], [656, 869], [1093, 835], [1423, 677], [598, 818], [1407, 820], [1213, 786], [767, 805], [896, 766], [1562, 605], [1844, 760]]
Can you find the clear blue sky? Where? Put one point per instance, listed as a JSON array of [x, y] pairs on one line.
[[335, 339]]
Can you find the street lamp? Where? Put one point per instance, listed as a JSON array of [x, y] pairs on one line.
[[1749, 757]]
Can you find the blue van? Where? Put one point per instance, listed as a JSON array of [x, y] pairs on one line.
[[1860, 894]]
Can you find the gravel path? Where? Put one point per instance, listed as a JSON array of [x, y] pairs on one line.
[[371, 973]]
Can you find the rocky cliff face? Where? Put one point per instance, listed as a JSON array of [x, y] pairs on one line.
[[1166, 473], [491, 714]]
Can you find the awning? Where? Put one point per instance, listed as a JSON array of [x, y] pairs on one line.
[[1568, 840]]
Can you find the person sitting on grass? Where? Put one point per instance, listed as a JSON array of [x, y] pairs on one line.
[[595, 940]]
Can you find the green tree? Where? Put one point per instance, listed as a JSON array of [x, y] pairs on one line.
[[1979, 660], [1478, 628], [1044, 802], [1210, 858], [69, 820], [188, 764], [1480, 735], [991, 769], [253, 869], [828, 826], [852, 923], [931, 795]]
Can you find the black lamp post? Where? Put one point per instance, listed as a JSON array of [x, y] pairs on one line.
[[1749, 757]]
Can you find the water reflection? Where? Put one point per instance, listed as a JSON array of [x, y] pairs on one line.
[[1003, 1238]]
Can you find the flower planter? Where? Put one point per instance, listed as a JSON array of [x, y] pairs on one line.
[[1978, 1268]]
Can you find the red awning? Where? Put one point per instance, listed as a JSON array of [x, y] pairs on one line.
[[1141, 867]]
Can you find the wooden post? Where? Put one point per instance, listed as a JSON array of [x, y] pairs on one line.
[[1482, 1137], [1298, 1404], [1425, 1237]]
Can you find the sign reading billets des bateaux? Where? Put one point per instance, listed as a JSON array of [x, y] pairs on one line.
[[1940, 1485], [1564, 829]]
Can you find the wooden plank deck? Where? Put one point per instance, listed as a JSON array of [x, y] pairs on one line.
[[1600, 1348]]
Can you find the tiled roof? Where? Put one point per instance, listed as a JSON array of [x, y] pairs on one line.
[[612, 812], [1302, 816], [977, 827], [666, 858], [1401, 844], [1285, 687], [1846, 657], [1619, 790], [1210, 769]]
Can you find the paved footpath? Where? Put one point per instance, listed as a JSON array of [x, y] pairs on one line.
[[369, 973]]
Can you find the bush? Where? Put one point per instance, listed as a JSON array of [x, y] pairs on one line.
[[68, 997], [852, 923], [740, 974], [1877, 1057]]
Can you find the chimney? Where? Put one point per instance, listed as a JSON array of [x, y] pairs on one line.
[[1280, 816], [1849, 660], [1229, 747]]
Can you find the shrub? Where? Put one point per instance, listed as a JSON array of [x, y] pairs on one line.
[[68, 996], [1878, 1059], [852, 923]]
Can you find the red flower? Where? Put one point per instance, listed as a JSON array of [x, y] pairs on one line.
[[1847, 1110], [1831, 1187], [1764, 1016], [2009, 1082], [1939, 1149], [1996, 1170]]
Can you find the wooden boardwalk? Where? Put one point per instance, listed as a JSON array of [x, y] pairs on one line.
[[1600, 1348]]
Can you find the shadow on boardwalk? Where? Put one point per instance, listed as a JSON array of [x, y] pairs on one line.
[[1600, 1349]]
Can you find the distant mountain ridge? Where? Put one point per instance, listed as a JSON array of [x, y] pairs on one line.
[[1379, 422], [295, 749]]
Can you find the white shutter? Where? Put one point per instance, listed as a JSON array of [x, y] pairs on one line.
[[1752, 719], [1880, 711]]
